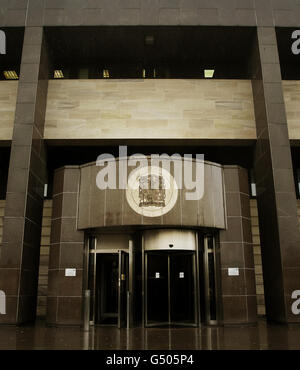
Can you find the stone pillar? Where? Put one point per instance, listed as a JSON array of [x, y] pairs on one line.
[[276, 198], [236, 250], [19, 262], [64, 301]]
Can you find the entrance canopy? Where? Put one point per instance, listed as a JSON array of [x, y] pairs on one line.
[[141, 191]]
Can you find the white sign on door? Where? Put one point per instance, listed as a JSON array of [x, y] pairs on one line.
[[157, 275], [181, 275]]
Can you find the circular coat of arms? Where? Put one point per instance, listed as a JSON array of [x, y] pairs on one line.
[[151, 191]]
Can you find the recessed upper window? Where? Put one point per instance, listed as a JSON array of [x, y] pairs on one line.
[[10, 75], [105, 73], [58, 73], [209, 73]]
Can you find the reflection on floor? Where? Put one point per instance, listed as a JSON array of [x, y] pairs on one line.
[[262, 336]]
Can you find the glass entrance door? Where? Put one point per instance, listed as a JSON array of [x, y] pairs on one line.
[[182, 289], [109, 283], [157, 289], [170, 282], [106, 299]]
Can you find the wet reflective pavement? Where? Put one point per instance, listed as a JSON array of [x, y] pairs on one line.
[[40, 337]]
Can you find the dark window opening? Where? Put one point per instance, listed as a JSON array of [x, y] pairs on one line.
[[119, 52]]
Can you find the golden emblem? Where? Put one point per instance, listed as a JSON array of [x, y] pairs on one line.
[[152, 191]]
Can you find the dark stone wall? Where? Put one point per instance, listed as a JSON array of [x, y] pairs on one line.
[[19, 263], [276, 198], [236, 250], [66, 251]]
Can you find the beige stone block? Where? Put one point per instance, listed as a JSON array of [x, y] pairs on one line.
[[257, 250], [8, 97], [259, 289], [145, 101], [258, 269]]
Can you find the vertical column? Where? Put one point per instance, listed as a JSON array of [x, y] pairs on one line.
[[238, 292], [19, 260], [276, 198], [66, 251]]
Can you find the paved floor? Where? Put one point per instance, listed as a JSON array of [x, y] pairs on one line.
[[263, 336]]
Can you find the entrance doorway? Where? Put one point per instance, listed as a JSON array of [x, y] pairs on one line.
[[170, 287], [109, 284]]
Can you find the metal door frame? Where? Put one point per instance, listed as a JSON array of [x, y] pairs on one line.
[[121, 253], [193, 254], [208, 319], [92, 253]]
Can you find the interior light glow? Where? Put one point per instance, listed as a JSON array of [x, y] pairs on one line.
[[11, 75], [209, 73], [105, 73], [58, 73]]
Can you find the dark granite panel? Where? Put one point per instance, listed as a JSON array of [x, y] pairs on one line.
[[250, 282], [22, 135], [247, 234], [278, 219], [61, 285], [233, 233], [69, 311], [232, 255], [11, 311], [252, 308], [231, 179], [17, 180], [233, 204], [289, 240], [58, 182], [235, 310], [69, 232], [13, 230], [71, 255], [57, 204], [243, 182], [69, 205], [236, 250], [248, 255], [233, 285], [20, 156], [54, 256], [66, 251], [16, 204], [51, 310], [71, 180], [55, 231], [245, 205], [9, 278], [10, 255]]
